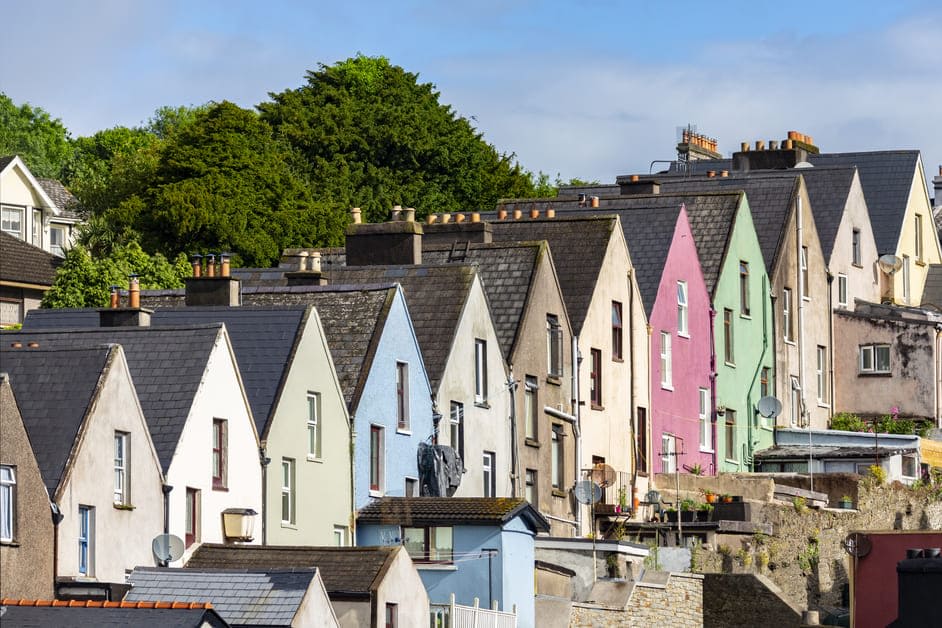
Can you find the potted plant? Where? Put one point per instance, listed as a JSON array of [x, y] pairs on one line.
[[846, 502], [687, 509], [671, 514], [709, 495], [704, 511], [622, 499], [726, 498]]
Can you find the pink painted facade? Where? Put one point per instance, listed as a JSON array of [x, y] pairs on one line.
[[681, 394]]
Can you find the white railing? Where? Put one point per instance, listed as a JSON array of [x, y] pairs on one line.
[[453, 615]]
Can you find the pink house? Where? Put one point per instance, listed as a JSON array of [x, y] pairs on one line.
[[677, 304]]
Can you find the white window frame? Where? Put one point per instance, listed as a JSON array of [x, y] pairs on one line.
[[411, 487], [794, 403], [805, 288], [379, 454], [403, 422], [288, 492], [557, 452], [869, 359], [37, 228], [86, 540], [58, 238], [554, 346], [907, 292], [683, 326], [480, 371], [918, 235], [6, 221], [745, 297], [532, 493], [456, 427], [668, 453], [842, 290], [7, 503], [122, 463], [340, 536], [531, 407], [706, 433], [315, 427], [667, 376], [821, 373], [489, 468], [915, 466], [787, 332], [729, 337]]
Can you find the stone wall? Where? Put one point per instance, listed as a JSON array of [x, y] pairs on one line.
[[678, 603], [737, 599]]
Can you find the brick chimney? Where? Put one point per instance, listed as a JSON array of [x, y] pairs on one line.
[[779, 156], [633, 185], [212, 288], [393, 242], [132, 316]]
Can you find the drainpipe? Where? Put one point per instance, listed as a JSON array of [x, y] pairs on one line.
[[632, 401], [165, 489], [801, 340], [57, 518], [265, 461], [752, 387], [576, 360], [713, 414], [830, 374], [514, 446], [353, 482]]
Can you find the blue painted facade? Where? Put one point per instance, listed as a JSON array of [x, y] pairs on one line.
[[378, 407], [505, 575]]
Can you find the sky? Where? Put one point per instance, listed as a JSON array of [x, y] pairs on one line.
[[587, 89]]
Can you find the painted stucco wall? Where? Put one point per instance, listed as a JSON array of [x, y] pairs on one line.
[[914, 380], [517, 577], [220, 395], [26, 563], [675, 409], [315, 609], [607, 429], [378, 407], [738, 385], [918, 204], [402, 585], [352, 613], [322, 484], [16, 190], [530, 358], [487, 426], [863, 282], [816, 318], [121, 538]]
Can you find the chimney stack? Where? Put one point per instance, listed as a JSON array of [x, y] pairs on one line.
[[213, 288], [132, 316], [633, 186], [937, 187], [779, 156], [309, 271], [398, 242]]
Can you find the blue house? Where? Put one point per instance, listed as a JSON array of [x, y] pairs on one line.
[[473, 547]]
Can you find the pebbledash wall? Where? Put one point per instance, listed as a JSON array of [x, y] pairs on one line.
[[678, 603]]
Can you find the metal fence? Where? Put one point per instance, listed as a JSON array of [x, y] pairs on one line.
[[453, 615]]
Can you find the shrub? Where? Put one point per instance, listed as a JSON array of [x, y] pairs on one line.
[[848, 422]]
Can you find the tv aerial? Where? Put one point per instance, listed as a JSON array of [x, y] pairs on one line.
[[857, 544], [167, 548], [769, 407], [587, 492]]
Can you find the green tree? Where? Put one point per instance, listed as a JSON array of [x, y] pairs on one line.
[[370, 135], [40, 140]]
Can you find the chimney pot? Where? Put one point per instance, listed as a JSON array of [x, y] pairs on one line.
[[594, 201], [711, 174], [475, 216], [788, 144], [502, 213], [134, 290], [773, 144], [534, 213], [431, 218], [724, 173], [197, 262], [744, 147], [115, 297], [810, 139], [396, 212], [446, 218], [16, 345], [210, 265], [33, 344], [355, 214], [550, 212], [408, 214], [940, 170], [315, 261], [517, 213], [582, 198], [459, 217], [302, 260], [635, 178], [794, 135], [760, 145], [224, 260]]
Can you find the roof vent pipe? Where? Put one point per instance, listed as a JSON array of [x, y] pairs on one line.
[[355, 215], [134, 289], [196, 261]]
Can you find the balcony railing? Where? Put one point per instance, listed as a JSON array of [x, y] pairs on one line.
[[453, 615], [616, 491]]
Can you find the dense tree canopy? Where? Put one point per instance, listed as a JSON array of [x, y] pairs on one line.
[[41, 141]]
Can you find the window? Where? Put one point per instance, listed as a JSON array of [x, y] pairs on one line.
[[431, 544], [822, 374], [376, 458], [480, 371], [795, 409], [744, 288], [910, 469], [842, 290], [340, 536], [412, 487], [57, 241], [730, 434], [192, 527], [86, 540], [787, 331], [490, 471], [392, 615], [314, 425], [531, 406], [668, 453], [804, 273], [402, 396], [7, 502], [918, 248], [11, 221], [556, 453], [121, 454], [706, 432], [456, 428], [617, 331], [287, 491], [875, 359], [682, 308], [38, 228], [855, 247], [554, 346], [906, 291], [595, 379], [642, 440], [764, 389], [728, 336], [219, 453], [667, 380], [532, 492]]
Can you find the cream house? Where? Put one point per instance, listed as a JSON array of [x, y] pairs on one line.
[[95, 455]]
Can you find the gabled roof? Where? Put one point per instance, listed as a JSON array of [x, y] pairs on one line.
[[74, 613], [426, 511], [346, 571], [578, 244], [24, 263], [166, 363], [886, 178], [243, 598], [54, 390], [10, 161], [65, 201]]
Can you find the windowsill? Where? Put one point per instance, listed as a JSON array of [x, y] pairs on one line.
[[919, 262], [555, 380], [790, 342], [617, 359], [767, 428], [123, 506], [669, 387], [843, 305], [289, 526], [435, 566], [874, 374], [746, 316], [822, 404], [805, 298], [311, 458], [642, 474], [558, 493], [856, 265], [730, 364], [731, 461], [683, 335], [531, 442], [596, 406], [482, 404], [707, 451], [9, 544], [374, 493], [404, 432], [221, 488]]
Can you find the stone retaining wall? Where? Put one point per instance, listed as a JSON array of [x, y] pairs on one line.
[[678, 604]]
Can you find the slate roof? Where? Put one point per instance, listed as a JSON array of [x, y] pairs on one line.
[[5, 161], [54, 390], [346, 571], [166, 363], [242, 598], [451, 511], [886, 178], [435, 296], [76, 614], [578, 244], [66, 202], [932, 290], [22, 262]]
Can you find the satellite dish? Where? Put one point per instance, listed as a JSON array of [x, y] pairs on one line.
[[603, 474], [857, 544], [769, 407], [587, 492], [167, 548], [889, 263]]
